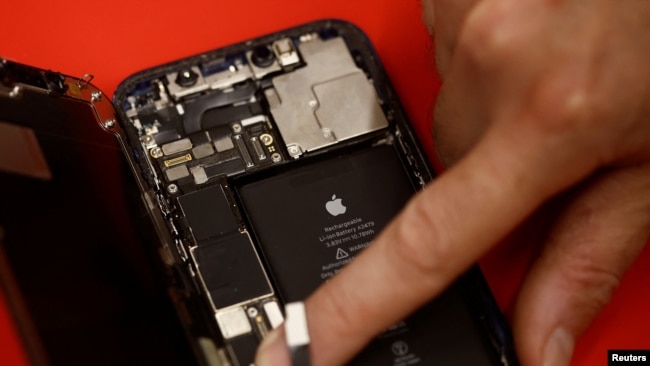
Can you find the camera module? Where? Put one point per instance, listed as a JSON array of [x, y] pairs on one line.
[[186, 78], [262, 56]]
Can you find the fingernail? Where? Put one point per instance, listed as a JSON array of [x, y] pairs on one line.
[[273, 351], [559, 348]]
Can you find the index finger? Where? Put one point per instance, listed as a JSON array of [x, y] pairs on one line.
[[439, 234]]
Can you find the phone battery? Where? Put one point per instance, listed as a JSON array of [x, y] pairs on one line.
[[313, 220]]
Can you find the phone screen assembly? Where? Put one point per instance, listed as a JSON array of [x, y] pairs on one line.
[[266, 167]]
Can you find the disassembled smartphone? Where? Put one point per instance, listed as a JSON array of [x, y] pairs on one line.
[[266, 167]]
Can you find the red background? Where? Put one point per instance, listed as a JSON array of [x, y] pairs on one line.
[[115, 39]]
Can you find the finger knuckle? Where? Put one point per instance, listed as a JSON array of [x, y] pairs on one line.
[[485, 37], [419, 245], [593, 284], [560, 111], [340, 307]]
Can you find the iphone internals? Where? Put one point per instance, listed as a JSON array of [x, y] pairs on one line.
[[265, 168]]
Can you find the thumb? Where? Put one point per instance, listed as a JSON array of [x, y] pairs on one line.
[[591, 245]]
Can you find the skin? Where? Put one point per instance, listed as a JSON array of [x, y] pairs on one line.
[[544, 122]]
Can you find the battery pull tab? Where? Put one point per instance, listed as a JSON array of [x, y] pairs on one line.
[[297, 333]]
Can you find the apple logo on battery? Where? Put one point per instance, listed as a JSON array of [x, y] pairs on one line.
[[335, 206]]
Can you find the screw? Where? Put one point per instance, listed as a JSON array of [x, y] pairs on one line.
[[276, 157], [109, 123], [156, 152], [15, 92], [266, 139], [236, 128], [252, 312], [172, 188], [293, 150]]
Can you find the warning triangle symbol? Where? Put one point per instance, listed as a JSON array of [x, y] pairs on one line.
[[340, 254]]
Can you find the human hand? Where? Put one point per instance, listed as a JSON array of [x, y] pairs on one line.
[[541, 100]]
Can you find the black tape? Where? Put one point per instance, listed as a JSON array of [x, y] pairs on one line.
[[194, 111], [300, 356]]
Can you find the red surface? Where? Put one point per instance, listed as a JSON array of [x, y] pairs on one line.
[[11, 352], [115, 39]]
